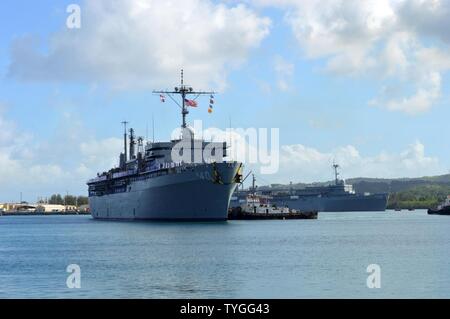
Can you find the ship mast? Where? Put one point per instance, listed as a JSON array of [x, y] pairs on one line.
[[253, 184], [124, 123], [336, 173], [254, 192], [184, 91]]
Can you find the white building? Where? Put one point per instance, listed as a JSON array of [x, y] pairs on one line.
[[50, 208]]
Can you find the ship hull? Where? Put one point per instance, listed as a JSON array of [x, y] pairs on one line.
[[187, 196], [442, 211], [356, 202]]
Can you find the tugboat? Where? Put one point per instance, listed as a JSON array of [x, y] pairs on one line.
[[442, 209], [259, 207]]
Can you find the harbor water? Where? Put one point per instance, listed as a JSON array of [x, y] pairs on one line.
[[323, 258]]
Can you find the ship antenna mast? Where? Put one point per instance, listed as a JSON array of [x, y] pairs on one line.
[[253, 184], [336, 173], [125, 139], [184, 111], [184, 91]]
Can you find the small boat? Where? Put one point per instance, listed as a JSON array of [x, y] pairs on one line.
[[442, 209], [259, 207]]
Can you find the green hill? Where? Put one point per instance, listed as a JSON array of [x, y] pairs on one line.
[[378, 185]]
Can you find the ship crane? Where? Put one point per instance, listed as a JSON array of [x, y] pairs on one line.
[[184, 91]]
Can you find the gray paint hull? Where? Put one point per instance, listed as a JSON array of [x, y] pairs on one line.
[[356, 203], [188, 195], [349, 203]]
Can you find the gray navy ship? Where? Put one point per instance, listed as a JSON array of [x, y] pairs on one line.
[[336, 197], [151, 184]]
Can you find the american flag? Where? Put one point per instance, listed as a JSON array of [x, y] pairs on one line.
[[191, 103]]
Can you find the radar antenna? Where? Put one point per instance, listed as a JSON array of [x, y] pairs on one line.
[[184, 91]]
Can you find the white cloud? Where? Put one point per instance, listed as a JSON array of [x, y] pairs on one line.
[[423, 68], [284, 72], [63, 163], [428, 92], [145, 43], [435, 58], [6, 127], [427, 17], [99, 155], [19, 169], [402, 41], [344, 31], [305, 164], [300, 163]]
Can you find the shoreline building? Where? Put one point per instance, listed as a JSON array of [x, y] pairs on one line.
[[53, 208]]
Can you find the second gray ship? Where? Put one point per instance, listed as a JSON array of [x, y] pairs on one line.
[[336, 197]]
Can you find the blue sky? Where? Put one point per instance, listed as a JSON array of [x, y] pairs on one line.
[[364, 83]]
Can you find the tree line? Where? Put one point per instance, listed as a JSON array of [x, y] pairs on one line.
[[420, 197], [57, 199]]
